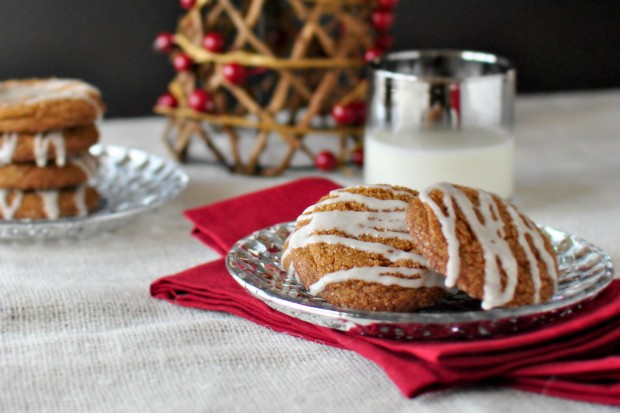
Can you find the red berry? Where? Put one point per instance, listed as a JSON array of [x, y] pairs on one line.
[[235, 73], [167, 100], [164, 42], [359, 112], [182, 62], [325, 161], [213, 42], [201, 101], [357, 156], [343, 114], [373, 54], [187, 4], [384, 41], [387, 4], [382, 19]]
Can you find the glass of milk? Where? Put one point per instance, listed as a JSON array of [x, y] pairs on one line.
[[441, 115]]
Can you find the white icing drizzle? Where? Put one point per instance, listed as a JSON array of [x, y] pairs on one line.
[[7, 147], [8, 209], [50, 203], [414, 277], [50, 89], [292, 273], [391, 253], [80, 200], [350, 222], [489, 232], [374, 204], [41, 148], [49, 199], [526, 227], [384, 219]]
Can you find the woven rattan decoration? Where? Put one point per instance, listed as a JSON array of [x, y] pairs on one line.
[[272, 71]]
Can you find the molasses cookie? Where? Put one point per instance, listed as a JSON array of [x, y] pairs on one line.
[[28, 176], [37, 105], [50, 204], [353, 249], [56, 145], [483, 245]]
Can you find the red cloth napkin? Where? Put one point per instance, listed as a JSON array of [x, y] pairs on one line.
[[578, 358]]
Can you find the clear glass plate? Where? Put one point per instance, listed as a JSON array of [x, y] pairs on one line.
[[130, 182], [585, 270]]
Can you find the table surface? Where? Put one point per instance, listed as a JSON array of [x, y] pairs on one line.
[[79, 331]]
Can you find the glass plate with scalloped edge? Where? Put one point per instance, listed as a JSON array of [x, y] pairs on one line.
[[130, 181], [585, 270]]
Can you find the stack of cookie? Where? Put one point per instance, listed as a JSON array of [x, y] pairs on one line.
[[46, 129]]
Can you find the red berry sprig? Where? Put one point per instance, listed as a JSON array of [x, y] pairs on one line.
[[387, 4], [384, 41], [164, 42], [167, 100], [353, 113], [213, 42], [357, 157], [343, 115], [382, 20], [373, 54], [325, 161], [359, 112], [182, 62], [235, 73], [187, 4], [200, 101]]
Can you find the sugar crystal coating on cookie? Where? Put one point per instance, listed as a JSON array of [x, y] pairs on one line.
[[353, 249], [483, 245]]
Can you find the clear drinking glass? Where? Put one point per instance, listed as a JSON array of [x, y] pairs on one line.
[[441, 115]]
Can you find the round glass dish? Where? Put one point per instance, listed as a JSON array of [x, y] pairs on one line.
[[585, 270], [130, 182]]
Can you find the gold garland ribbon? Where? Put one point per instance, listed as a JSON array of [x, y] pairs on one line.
[[200, 55]]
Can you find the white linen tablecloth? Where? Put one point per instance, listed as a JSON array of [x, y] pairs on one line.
[[79, 331]]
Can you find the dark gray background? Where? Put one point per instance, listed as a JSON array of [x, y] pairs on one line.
[[556, 44]]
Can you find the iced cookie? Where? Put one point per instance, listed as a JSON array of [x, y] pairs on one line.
[[26, 176], [50, 204], [483, 245], [353, 249], [55, 146], [37, 105]]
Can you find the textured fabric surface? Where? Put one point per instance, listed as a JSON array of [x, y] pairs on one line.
[[583, 361], [79, 331]]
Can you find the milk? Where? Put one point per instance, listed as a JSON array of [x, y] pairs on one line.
[[478, 158]]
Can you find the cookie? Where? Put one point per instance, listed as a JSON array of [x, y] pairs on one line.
[[28, 176], [42, 147], [353, 249], [483, 245], [37, 105], [51, 204]]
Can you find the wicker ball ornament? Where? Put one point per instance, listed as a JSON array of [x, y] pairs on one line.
[[276, 72]]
